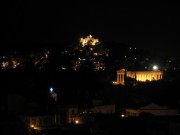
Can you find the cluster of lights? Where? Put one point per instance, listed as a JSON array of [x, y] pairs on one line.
[[115, 82], [14, 63], [46, 54], [77, 64], [88, 54], [99, 66], [34, 127], [4, 64], [89, 40]]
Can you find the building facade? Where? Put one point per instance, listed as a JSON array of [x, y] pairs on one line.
[[151, 108], [66, 114], [139, 76]]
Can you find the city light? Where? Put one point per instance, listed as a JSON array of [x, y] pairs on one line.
[[89, 40], [77, 121], [53, 94], [51, 90], [155, 67], [115, 82], [32, 126]]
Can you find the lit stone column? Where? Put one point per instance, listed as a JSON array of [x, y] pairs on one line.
[[141, 77], [122, 79], [144, 77], [118, 78], [132, 76]]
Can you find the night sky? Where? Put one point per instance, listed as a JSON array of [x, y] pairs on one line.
[[148, 26]]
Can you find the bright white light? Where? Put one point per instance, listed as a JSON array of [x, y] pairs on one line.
[[51, 89], [155, 67], [114, 82], [63, 68]]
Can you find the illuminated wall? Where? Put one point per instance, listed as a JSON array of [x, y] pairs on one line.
[[140, 76]]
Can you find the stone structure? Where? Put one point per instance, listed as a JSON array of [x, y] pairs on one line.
[[139, 76], [151, 108]]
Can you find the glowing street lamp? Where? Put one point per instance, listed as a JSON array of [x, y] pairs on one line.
[[51, 90]]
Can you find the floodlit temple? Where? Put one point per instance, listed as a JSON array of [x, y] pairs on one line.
[[139, 76]]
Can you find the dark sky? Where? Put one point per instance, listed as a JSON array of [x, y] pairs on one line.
[[153, 26]]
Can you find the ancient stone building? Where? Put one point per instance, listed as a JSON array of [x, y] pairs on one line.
[[139, 76]]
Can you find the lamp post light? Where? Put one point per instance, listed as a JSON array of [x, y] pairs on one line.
[[53, 94], [54, 98], [51, 90]]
